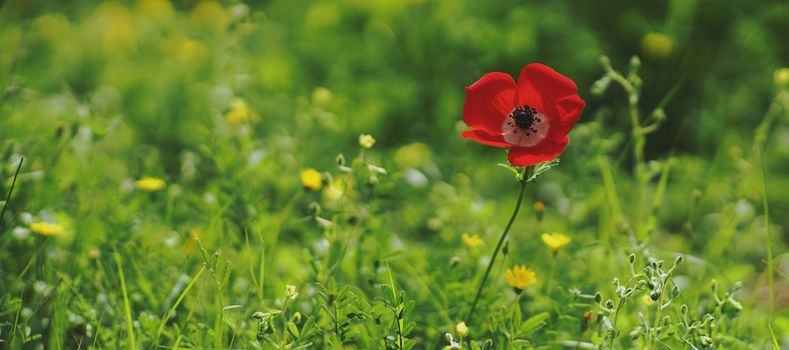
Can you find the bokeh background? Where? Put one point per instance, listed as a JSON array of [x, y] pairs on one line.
[[227, 101]]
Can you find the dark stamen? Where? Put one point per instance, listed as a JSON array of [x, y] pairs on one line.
[[525, 117]]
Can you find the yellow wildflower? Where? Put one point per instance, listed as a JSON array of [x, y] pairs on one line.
[[539, 209], [290, 292], [322, 96], [334, 191], [657, 45], [239, 112], [520, 277], [46, 228], [471, 241], [781, 77], [311, 179], [366, 141], [647, 300], [462, 329], [149, 184], [555, 241]]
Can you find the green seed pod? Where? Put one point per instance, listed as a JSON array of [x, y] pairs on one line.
[[706, 341]]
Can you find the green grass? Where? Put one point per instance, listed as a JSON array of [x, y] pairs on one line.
[[671, 188]]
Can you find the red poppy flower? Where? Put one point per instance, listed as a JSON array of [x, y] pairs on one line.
[[531, 118]]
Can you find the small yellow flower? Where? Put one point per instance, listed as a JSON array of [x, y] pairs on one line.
[[311, 179], [520, 277], [462, 329], [647, 300], [322, 96], [366, 141], [781, 77], [149, 184], [239, 112], [334, 191], [555, 241], [290, 292], [471, 241], [657, 45], [539, 208], [46, 228]]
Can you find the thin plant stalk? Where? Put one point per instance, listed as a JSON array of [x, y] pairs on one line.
[[769, 243], [10, 191], [523, 181]]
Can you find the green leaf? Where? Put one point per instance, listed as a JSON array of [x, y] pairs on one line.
[[534, 323], [541, 168]]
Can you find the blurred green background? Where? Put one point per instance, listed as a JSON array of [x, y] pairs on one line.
[[226, 101]]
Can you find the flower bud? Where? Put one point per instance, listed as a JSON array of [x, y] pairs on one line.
[[314, 209], [462, 329], [539, 209], [781, 77], [599, 86], [340, 159], [372, 180], [605, 61], [635, 63], [706, 341], [366, 141]]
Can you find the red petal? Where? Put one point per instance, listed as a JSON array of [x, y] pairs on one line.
[[544, 151], [540, 86], [488, 101], [568, 110], [483, 137]]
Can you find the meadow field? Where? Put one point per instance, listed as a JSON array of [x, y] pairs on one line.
[[348, 174]]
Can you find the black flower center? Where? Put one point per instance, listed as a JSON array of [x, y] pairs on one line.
[[525, 117]]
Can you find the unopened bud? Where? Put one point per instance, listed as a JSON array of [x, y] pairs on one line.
[[599, 86], [539, 209], [314, 209], [635, 62], [372, 180]]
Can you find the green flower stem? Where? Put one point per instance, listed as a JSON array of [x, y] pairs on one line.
[[523, 180]]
